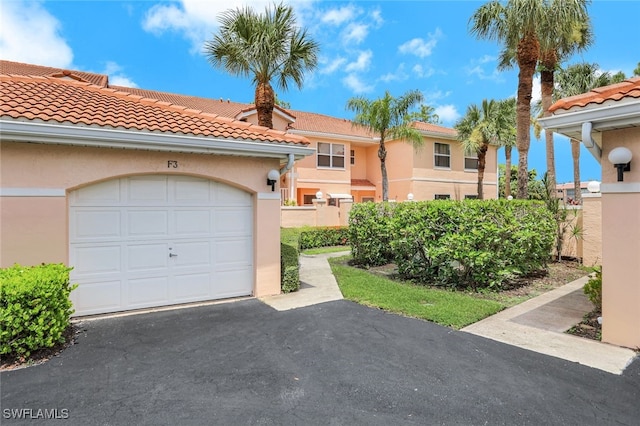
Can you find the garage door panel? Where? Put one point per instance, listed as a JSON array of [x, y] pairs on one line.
[[232, 254], [233, 221], [192, 191], [147, 257], [191, 287], [100, 194], [145, 190], [95, 224], [97, 297], [96, 260], [193, 253], [192, 222], [232, 283], [149, 291], [122, 232], [149, 223], [229, 196]]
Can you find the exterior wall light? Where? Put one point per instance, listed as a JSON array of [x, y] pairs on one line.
[[593, 186], [410, 196], [272, 178], [319, 195], [621, 158]]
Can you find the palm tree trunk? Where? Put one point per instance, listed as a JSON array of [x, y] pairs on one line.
[[546, 81], [382, 155], [575, 155], [482, 161], [265, 100], [527, 56], [507, 171]]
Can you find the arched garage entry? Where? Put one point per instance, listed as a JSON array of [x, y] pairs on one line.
[[155, 240]]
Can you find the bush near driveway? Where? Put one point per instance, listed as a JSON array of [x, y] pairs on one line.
[[34, 308], [289, 268], [472, 243], [324, 237]]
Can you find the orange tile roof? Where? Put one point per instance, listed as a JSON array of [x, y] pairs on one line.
[[19, 68], [361, 182], [629, 88], [71, 101], [434, 128]]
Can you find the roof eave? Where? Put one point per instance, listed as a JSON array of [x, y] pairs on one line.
[[48, 133], [337, 136], [605, 116]]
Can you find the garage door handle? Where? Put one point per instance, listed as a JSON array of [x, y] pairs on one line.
[[173, 255]]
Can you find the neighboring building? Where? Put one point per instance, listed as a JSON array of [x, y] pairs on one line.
[[567, 192]]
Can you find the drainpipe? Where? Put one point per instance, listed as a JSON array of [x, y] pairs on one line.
[[588, 141], [284, 170]]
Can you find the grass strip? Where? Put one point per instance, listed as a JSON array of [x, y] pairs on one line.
[[443, 307]]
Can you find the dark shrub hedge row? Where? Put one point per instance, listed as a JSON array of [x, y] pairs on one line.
[[289, 268], [453, 243], [34, 307], [324, 237]]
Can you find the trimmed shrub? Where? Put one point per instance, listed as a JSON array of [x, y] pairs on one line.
[[593, 288], [34, 307], [370, 233], [324, 237], [289, 268]]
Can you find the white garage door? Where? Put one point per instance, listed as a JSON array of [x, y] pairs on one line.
[[148, 241]]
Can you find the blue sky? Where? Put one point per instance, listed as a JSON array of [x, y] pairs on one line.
[[367, 47]]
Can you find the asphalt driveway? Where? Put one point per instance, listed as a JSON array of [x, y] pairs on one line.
[[337, 363]]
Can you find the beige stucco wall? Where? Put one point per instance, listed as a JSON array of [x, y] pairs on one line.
[[591, 229], [621, 243], [35, 229]]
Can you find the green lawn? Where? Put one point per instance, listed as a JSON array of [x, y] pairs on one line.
[[444, 307]]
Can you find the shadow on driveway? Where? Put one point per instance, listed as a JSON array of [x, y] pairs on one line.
[[336, 363]]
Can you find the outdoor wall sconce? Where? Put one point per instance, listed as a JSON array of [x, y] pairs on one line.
[[621, 158], [272, 178], [319, 195], [410, 196]]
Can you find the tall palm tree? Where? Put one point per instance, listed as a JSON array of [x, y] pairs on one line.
[[388, 118], [265, 46], [575, 80], [565, 31], [489, 124], [515, 25]]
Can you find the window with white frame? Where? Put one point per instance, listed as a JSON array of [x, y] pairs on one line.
[[471, 161], [353, 157], [330, 155], [441, 155]]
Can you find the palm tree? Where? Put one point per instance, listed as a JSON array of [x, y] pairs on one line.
[[265, 46], [565, 31], [486, 125], [427, 114], [575, 80], [515, 25], [388, 118]]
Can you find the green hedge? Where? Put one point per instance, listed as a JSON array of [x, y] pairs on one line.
[[289, 268], [370, 233], [34, 307], [455, 243], [324, 237]]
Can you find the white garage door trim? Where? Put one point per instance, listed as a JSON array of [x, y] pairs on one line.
[[157, 240]]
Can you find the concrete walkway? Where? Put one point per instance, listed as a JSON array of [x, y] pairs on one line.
[[537, 324]]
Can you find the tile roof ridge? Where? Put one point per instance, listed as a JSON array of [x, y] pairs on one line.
[[599, 95]]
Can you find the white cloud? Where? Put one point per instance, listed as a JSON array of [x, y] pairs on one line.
[[196, 20], [420, 72], [486, 58], [339, 16], [448, 113], [398, 75], [362, 63], [355, 33], [29, 33], [356, 84], [331, 66], [376, 17], [420, 47], [116, 77], [536, 91]]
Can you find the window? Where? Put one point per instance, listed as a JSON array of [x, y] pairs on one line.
[[367, 199], [330, 155], [442, 196], [441, 155], [308, 199], [471, 162], [353, 157], [470, 197]]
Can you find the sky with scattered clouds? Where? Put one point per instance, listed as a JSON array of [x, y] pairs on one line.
[[366, 48]]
